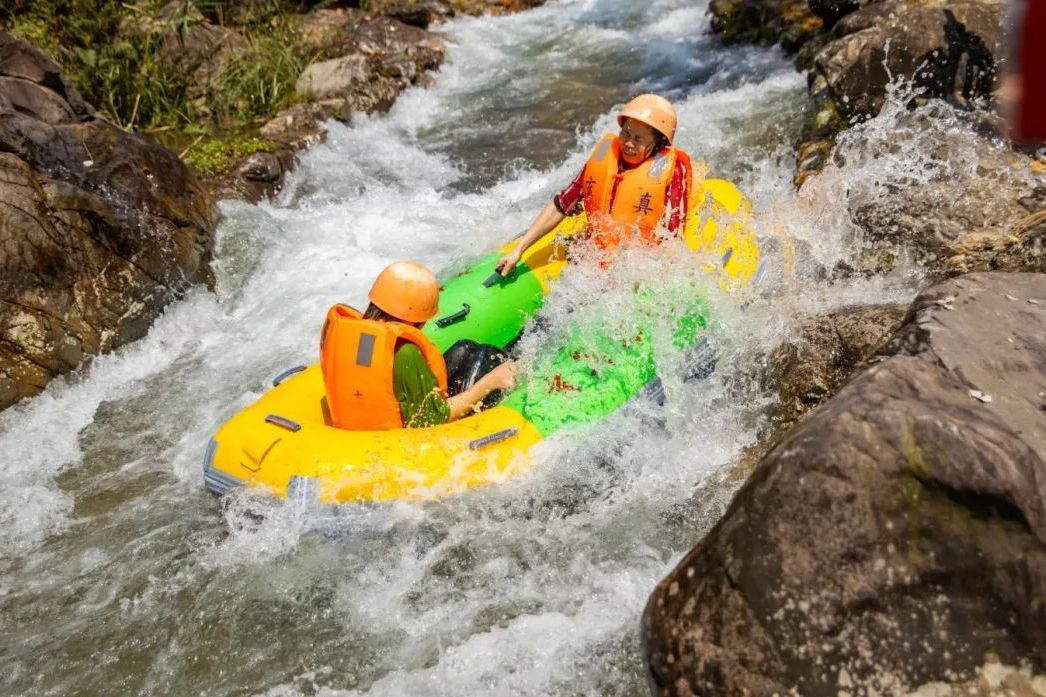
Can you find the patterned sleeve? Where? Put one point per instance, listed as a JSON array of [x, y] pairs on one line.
[[675, 205], [568, 201]]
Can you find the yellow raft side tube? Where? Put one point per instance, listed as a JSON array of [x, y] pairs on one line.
[[718, 226], [284, 436], [283, 443]]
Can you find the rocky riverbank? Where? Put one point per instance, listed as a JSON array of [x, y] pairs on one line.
[[892, 537], [100, 228], [101, 225], [856, 53]]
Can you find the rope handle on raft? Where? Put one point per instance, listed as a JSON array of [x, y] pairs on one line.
[[492, 438], [456, 317], [492, 279]]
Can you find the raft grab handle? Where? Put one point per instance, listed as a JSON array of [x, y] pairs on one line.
[[286, 374], [456, 317], [492, 279], [492, 438], [283, 422]]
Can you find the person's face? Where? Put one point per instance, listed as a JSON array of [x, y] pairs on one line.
[[637, 141]]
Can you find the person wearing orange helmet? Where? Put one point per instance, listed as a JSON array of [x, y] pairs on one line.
[[635, 185], [381, 372]]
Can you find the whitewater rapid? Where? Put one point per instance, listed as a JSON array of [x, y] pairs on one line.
[[120, 574]]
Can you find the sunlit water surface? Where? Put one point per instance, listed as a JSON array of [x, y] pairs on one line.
[[120, 574]]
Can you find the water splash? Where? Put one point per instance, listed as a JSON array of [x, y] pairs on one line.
[[122, 575]]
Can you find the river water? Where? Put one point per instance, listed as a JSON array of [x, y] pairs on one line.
[[120, 574]]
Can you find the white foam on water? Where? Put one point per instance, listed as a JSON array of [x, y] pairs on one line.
[[39, 436], [531, 587]]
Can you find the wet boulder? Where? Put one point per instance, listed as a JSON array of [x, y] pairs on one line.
[[384, 36], [948, 49], [964, 203], [897, 536], [258, 175], [827, 350], [99, 228], [1028, 251]]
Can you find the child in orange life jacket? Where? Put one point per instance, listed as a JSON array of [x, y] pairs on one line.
[[381, 372], [632, 184]]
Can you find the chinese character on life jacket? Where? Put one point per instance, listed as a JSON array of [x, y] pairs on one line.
[[643, 205]]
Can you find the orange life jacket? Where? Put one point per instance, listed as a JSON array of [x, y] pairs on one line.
[[356, 357], [621, 203]]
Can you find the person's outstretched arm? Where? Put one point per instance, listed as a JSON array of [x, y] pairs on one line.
[[547, 219]]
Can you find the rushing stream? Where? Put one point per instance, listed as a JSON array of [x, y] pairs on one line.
[[120, 574]]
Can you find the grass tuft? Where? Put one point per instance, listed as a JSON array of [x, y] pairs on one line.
[[112, 53], [214, 158]]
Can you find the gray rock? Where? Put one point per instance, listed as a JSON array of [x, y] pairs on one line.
[[21, 62], [897, 535], [259, 175], [338, 77], [384, 57]]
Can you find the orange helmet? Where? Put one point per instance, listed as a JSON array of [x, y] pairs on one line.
[[406, 290], [656, 112]]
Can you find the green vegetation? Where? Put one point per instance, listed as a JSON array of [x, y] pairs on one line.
[[183, 66], [215, 157]]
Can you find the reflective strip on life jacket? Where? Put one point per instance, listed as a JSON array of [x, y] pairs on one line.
[[621, 203], [357, 357]]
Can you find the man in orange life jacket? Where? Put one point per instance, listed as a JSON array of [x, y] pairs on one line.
[[380, 371], [631, 185]]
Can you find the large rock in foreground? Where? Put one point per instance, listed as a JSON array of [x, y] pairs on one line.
[[99, 229], [897, 535]]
